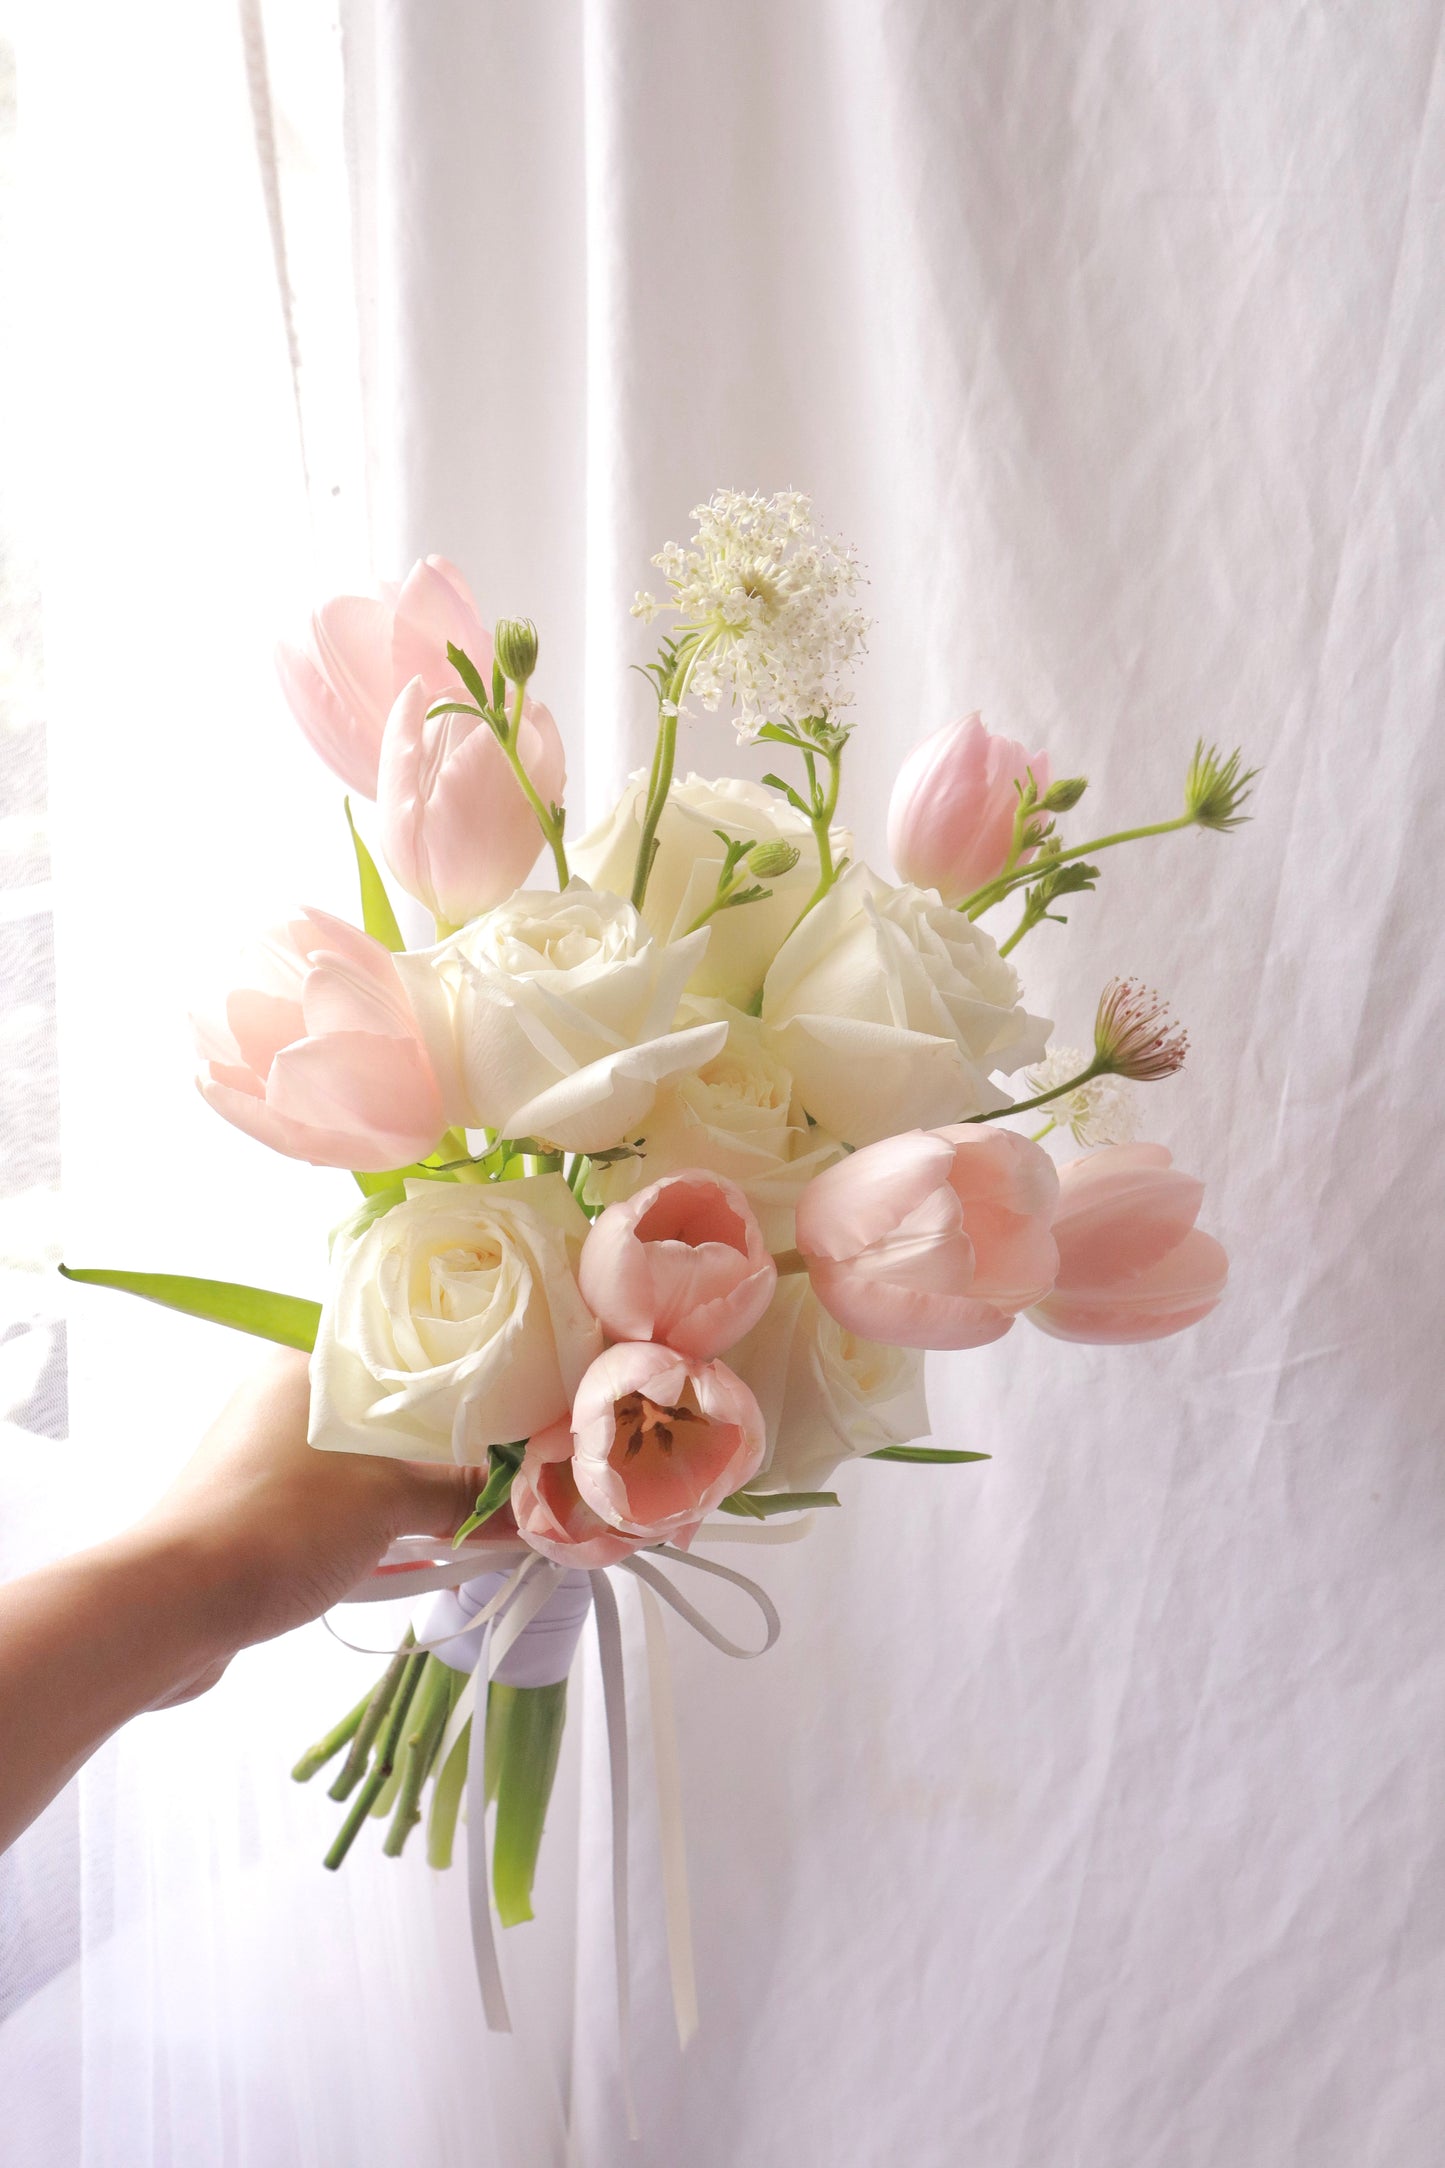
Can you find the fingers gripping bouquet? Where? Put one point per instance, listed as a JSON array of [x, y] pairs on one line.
[[675, 1163]]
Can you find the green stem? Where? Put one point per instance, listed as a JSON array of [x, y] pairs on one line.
[[446, 1801], [983, 899], [382, 1694], [664, 755], [316, 1757], [381, 1768], [1038, 1135], [825, 805], [1025, 1106], [551, 829], [531, 1719], [661, 784], [433, 1706]]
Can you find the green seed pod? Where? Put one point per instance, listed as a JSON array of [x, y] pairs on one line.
[[768, 861]]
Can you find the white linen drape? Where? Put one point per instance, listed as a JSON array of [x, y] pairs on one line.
[[1088, 1811]]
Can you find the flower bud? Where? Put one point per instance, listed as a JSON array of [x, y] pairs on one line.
[[951, 818], [769, 861], [515, 647], [1063, 796]]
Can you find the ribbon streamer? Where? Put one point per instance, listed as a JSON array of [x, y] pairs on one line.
[[676, 1907], [614, 1700], [500, 1621]]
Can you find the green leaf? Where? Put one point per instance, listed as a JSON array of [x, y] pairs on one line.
[[377, 916], [468, 672], [927, 1455], [456, 707], [503, 1461], [757, 1505], [289, 1319], [775, 782]]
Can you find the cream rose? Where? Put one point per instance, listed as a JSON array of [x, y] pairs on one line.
[[826, 1395], [453, 1322], [737, 1116], [552, 1016], [685, 872], [892, 1011]]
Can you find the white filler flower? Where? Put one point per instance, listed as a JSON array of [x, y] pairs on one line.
[[773, 601], [1103, 1111]]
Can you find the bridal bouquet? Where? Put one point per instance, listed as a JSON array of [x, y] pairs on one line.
[[677, 1154]]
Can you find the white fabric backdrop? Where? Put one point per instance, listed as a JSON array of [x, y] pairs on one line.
[[1089, 1811]]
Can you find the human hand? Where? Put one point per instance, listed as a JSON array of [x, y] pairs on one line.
[[277, 1532]]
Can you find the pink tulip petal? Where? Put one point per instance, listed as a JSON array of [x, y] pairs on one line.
[[906, 1316], [1118, 1214], [261, 1024], [348, 746], [382, 1090], [455, 827], [550, 1513], [352, 635], [430, 612], [1164, 1298], [861, 1200]]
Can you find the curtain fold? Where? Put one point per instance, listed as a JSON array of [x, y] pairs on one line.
[[1088, 1810]]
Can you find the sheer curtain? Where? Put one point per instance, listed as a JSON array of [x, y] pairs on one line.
[[1089, 1809]]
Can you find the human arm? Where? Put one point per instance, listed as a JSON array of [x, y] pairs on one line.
[[258, 1534]]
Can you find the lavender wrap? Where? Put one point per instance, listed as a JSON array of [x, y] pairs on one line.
[[543, 1651]]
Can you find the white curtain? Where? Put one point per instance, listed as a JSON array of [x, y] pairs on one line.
[[1089, 1810]]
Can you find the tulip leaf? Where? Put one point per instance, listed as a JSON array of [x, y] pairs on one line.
[[927, 1455], [758, 1505], [503, 1461], [290, 1319], [377, 915]]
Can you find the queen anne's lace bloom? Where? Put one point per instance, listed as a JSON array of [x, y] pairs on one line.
[[1103, 1111], [776, 597]]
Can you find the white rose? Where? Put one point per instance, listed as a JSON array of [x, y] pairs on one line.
[[826, 1395], [453, 1322], [685, 872], [738, 1116], [891, 1010], [551, 1017]]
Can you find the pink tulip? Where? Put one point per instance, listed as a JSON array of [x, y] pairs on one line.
[[936, 1238], [317, 1052], [1132, 1263], [364, 649], [682, 1262], [659, 1439], [951, 816], [455, 827], [550, 1512]]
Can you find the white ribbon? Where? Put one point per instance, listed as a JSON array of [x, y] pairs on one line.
[[472, 1607], [676, 1905], [614, 1701]]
